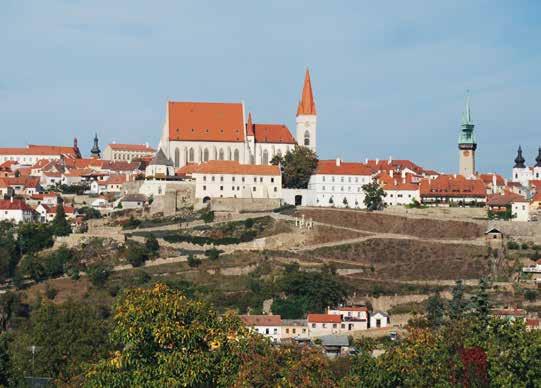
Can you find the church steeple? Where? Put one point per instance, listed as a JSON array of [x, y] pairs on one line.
[[466, 142], [95, 151], [538, 159], [307, 105], [519, 160]]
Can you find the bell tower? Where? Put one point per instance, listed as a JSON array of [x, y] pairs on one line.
[[467, 144], [306, 116]]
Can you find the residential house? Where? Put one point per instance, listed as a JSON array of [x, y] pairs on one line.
[[352, 317], [379, 319], [323, 324], [294, 329], [15, 210], [400, 194], [520, 209], [269, 326], [455, 190], [133, 201]]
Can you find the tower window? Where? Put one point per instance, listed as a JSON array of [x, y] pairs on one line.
[[307, 138]]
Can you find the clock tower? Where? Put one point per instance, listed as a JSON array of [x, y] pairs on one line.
[[467, 144], [306, 116]]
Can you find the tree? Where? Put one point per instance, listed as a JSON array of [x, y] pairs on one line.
[[137, 254], [89, 212], [435, 310], [9, 250], [457, 305], [98, 274], [373, 196], [165, 339], [33, 237], [193, 261], [152, 245], [480, 304], [298, 165], [60, 224], [213, 254], [67, 336]]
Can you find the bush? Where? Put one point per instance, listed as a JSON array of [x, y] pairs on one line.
[[50, 292], [512, 245], [98, 274], [248, 223], [213, 254], [132, 223], [141, 277], [193, 261], [530, 295], [207, 216], [137, 254], [248, 235], [152, 245], [89, 213], [200, 240], [524, 246]]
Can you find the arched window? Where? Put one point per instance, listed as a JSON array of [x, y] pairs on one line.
[[236, 155], [191, 155], [229, 153], [265, 157], [206, 155], [307, 138], [177, 157], [221, 154]]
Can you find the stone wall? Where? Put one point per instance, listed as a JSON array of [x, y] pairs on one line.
[[243, 205], [443, 213], [530, 231]]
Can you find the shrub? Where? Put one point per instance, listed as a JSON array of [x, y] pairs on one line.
[[50, 292], [98, 274], [141, 277], [248, 235], [132, 223], [512, 245], [213, 254], [152, 245], [200, 240], [524, 246], [248, 223], [89, 212], [193, 261], [530, 295], [137, 254], [207, 216]]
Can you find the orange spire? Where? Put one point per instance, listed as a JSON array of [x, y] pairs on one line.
[[307, 105], [249, 125]]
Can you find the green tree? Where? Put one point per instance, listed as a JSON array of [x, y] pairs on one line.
[[9, 250], [193, 261], [98, 274], [5, 360], [298, 165], [136, 254], [165, 339], [60, 224], [435, 310], [457, 305], [373, 196], [213, 254], [66, 336], [480, 304], [33, 237]]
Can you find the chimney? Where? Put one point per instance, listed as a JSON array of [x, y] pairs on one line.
[[377, 161], [338, 162], [366, 161], [390, 159], [391, 173]]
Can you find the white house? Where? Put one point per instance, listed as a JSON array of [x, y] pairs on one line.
[[133, 201], [160, 167], [520, 210], [269, 326], [230, 179], [15, 210], [340, 184], [400, 194], [379, 319], [116, 151], [294, 329], [47, 213], [353, 317], [30, 154]]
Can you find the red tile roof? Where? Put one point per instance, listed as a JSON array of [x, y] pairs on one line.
[[537, 197], [452, 186], [273, 133], [329, 167], [396, 165], [132, 147], [261, 320], [307, 105], [233, 167], [52, 210], [84, 163], [323, 318], [38, 150], [16, 204], [206, 121], [114, 180], [505, 199], [401, 186], [487, 179], [26, 181], [250, 126]]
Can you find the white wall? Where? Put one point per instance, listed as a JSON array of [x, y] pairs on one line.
[[401, 197], [339, 187], [521, 211], [237, 186], [308, 196]]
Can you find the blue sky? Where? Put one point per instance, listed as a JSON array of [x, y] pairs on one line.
[[389, 77]]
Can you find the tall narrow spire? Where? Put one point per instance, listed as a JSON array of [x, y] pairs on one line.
[[307, 105], [95, 151], [519, 160], [466, 117], [538, 159], [250, 126]]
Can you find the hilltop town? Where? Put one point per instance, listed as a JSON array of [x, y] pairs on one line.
[[245, 216]]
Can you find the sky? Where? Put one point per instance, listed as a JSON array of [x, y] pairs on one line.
[[389, 77]]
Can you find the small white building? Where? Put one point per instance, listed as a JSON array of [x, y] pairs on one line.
[[339, 184], [379, 319], [15, 210], [230, 179], [269, 326], [400, 194], [134, 201], [160, 167], [323, 324], [520, 210]]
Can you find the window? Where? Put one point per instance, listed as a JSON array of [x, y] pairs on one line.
[[255, 179], [313, 324], [233, 179], [275, 331], [253, 188], [221, 188], [267, 331], [233, 188], [287, 330], [342, 179], [272, 180], [212, 178], [304, 330], [323, 178], [204, 178], [294, 331], [324, 325], [323, 188], [307, 138], [243, 179], [275, 189], [334, 326], [221, 179], [343, 325]]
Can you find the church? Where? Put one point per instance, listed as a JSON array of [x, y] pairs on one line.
[[196, 132]]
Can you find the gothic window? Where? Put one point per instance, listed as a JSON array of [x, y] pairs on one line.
[[236, 155], [221, 154], [228, 153], [191, 155], [306, 138], [206, 155], [265, 157], [177, 157]]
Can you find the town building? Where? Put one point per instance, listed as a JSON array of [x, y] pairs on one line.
[[400, 194], [294, 329], [453, 190], [128, 152], [15, 210], [270, 326], [353, 317], [323, 324], [32, 153], [379, 319], [339, 184], [524, 174], [196, 132], [160, 167], [467, 144], [520, 208], [494, 183], [230, 179]]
